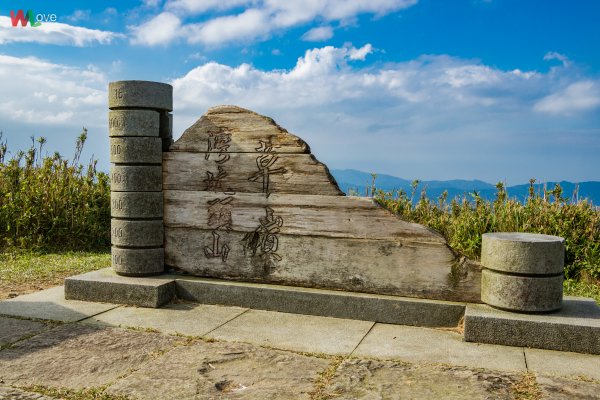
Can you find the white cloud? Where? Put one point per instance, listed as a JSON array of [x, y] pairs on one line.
[[54, 33], [553, 55], [79, 15], [259, 19], [160, 30], [246, 26], [432, 117], [318, 34], [576, 97]]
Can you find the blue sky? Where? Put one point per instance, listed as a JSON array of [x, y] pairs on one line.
[[496, 90]]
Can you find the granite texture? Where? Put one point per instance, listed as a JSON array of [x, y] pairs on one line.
[[140, 94], [136, 204], [133, 123], [135, 150], [132, 233], [135, 178], [138, 262]]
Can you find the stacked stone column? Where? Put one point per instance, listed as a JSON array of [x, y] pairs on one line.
[[523, 272], [140, 128]]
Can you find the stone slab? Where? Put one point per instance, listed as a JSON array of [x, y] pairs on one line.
[[18, 394], [133, 123], [77, 356], [521, 293], [12, 330], [50, 304], [329, 303], [575, 327], [307, 333], [140, 94], [558, 388], [414, 344], [105, 285], [523, 253], [563, 363], [136, 204], [132, 233], [223, 371], [375, 379], [186, 319], [135, 150], [135, 178]]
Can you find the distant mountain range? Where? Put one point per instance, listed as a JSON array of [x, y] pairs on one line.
[[358, 181]]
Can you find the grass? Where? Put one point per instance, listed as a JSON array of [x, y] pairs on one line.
[[25, 271]]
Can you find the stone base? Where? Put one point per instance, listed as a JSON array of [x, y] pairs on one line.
[[575, 327], [106, 286]]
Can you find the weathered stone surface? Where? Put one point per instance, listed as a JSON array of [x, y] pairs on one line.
[[138, 262], [133, 123], [241, 131], [576, 327], [523, 253], [373, 379], [136, 204], [521, 293], [18, 394], [328, 303], [166, 130], [135, 178], [51, 304], [135, 150], [287, 223], [132, 233], [105, 285], [425, 345], [297, 173], [295, 332], [12, 329], [78, 356], [361, 265], [140, 94], [223, 370], [557, 388], [184, 318]]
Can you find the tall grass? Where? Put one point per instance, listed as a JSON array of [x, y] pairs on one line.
[[462, 221], [50, 203]]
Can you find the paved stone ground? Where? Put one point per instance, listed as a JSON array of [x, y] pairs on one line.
[[235, 353]]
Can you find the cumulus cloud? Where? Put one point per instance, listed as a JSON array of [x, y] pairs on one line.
[[160, 30], [416, 119], [318, 34], [553, 55], [54, 33], [259, 19], [576, 97]]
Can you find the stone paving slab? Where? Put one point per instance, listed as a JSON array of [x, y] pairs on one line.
[[50, 304], [557, 388], [12, 329], [223, 370], [563, 363], [18, 394], [374, 379], [575, 327], [414, 344], [295, 332], [77, 356], [186, 319]]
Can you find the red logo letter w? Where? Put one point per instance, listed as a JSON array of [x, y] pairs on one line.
[[19, 17]]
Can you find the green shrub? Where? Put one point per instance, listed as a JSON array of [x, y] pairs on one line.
[[462, 221], [50, 203]]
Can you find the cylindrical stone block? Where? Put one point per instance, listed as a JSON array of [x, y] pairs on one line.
[[136, 150], [523, 253], [523, 272], [132, 233], [136, 178], [133, 123], [136, 205], [521, 293], [138, 262], [140, 94]]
